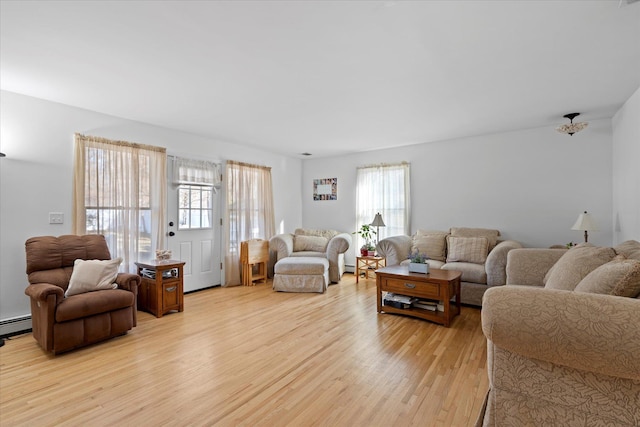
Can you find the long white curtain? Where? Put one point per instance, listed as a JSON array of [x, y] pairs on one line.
[[384, 189], [120, 191], [249, 212]]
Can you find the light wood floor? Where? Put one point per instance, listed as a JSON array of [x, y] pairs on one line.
[[253, 357]]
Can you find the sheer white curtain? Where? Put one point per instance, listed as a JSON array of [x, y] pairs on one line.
[[249, 212], [385, 189], [120, 192]]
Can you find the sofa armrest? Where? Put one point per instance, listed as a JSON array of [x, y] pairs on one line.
[[528, 266], [339, 244], [282, 245], [590, 332], [395, 249], [128, 282], [41, 292], [496, 264]]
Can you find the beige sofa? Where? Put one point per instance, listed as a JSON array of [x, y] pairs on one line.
[[476, 252], [559, 356], [329, 244]]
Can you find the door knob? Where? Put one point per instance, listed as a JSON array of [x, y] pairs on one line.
[[171, 234]]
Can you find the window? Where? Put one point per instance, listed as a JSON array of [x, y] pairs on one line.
[[119, 192], [384, 189], [194, 207], [197, 181]]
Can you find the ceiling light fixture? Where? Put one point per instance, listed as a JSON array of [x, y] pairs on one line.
[[572, 128]]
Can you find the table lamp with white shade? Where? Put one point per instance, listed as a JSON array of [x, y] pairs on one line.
[[377, 222], [585, 223]]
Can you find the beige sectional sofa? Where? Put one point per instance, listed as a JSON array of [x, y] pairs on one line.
[[564, 349], [329, 244], [476, 252]]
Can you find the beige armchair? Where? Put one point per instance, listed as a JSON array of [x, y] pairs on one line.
[[329, 244], [61, 323]]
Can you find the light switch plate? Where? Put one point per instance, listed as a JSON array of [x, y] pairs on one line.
[[56, 218]]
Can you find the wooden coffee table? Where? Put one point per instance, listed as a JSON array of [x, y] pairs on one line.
[[440, 285]]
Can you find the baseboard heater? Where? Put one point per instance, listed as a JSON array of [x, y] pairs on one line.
[[349, 268], [15, 326]]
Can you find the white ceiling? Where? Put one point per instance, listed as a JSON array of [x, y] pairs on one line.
[[326, 77]]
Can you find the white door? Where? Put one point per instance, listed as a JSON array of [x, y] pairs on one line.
[[194, 233]]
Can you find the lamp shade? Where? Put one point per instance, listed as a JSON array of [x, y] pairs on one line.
[[377, 221], [585, 223]]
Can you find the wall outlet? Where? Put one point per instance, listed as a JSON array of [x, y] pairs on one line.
[[56, 218]]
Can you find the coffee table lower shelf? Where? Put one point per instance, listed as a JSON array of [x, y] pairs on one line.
[[433, 316]]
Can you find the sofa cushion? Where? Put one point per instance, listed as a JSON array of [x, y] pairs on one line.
[[467, 249], [574, 266], [310, 243], [491, 235], [93, 275], [630, 249], [92, 303], [433, 244], [620, 277], [471, 272], [303, 254]]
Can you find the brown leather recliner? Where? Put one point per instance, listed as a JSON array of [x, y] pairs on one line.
[[63, 323]]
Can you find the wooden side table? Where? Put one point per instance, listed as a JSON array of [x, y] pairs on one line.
[[161, 287], [368, 263]]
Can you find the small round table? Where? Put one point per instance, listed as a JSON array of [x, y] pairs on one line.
[[367, 264]]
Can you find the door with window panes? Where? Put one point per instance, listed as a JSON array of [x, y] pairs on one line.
[[194, 232]]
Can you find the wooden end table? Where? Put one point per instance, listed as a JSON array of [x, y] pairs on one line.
[[368, 263], [440, 285], [164, 292]]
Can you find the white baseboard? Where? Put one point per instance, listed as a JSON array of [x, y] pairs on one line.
[[15, 325], [350, 268]]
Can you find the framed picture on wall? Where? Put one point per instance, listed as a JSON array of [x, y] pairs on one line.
[[325, 189]]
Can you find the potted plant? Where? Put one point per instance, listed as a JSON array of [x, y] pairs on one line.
[[366, 232], [371, 249], [418, 262]]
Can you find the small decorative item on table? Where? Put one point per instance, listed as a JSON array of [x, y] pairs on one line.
[[416, 267], [418, 263], [163, 254]]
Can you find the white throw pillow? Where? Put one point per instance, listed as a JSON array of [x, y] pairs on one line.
[[93, 275]]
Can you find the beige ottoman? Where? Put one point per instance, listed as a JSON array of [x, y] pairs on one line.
[[301, 274]]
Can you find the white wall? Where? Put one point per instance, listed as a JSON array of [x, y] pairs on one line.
[[36, 176], [626, 171], [530, 184]]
